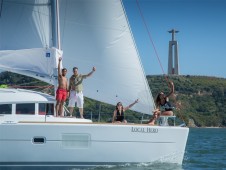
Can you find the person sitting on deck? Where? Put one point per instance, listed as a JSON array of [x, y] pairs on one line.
[[164, 108], [118, 115]]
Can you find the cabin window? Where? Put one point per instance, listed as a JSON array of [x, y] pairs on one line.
[[25, 108], [46, 109], [5, 108]]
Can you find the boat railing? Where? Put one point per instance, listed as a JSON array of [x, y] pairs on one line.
[[163, 120], [66, 111], [99, 116]]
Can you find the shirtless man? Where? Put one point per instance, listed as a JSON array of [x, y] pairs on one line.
[[61, 93]]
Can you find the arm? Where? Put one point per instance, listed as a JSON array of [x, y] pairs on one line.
[[69, 86], [114, 115], [126, 108], [93, 70], [172, 89], [59, 72], [68, 94]]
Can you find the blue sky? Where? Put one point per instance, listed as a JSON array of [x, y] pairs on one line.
[[201, 40]]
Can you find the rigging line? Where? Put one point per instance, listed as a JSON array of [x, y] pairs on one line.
[[147, 88], [28, 83], [150, 38]]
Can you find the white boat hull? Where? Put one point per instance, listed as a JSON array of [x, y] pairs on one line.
[[89, 144]]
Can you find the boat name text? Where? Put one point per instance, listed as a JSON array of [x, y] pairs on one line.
[[144, 130]]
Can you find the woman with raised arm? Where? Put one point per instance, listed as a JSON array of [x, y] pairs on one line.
[[118, 115], [163, 105]]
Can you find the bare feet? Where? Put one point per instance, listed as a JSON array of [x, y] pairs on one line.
[[151, 123]]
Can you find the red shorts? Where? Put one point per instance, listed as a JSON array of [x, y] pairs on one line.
[[61, 95]]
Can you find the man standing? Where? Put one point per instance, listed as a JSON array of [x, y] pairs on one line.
[[61, 93], [75, 90]]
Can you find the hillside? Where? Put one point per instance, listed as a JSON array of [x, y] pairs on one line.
[[198, 99]]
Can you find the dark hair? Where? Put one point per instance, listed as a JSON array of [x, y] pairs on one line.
[[116, 107], [64, 69], [74, 68], [157, 101]]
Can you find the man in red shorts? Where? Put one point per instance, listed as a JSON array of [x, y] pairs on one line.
[[61, 93]]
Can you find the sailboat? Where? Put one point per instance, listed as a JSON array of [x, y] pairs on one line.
[[33, 35]]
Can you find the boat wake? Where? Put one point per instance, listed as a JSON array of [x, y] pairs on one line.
[[140, 166], [128, 166]]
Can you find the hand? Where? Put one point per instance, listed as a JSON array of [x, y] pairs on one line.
[[94, 68], [136, 101], [156, 110], [60, 58], [68, 94]]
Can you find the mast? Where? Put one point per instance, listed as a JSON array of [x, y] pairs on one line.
[[55, 23], [55, 35]]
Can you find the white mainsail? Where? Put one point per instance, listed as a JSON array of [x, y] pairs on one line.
[[96, 33], [93, 33], [25, 39], [25, 24]]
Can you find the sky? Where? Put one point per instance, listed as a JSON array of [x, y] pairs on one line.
[[201, 38]]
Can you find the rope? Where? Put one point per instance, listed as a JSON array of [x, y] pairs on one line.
[[151, 40], [26, 85], [156, 53]]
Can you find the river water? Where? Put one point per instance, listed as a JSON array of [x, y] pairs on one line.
[[206, 149]]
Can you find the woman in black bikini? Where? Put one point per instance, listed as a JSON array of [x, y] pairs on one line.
[[118, 115]]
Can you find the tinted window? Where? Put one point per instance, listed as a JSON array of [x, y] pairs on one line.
[[5, 108], [46, 108], [25, 108]]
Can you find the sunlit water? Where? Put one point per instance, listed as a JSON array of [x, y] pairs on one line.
[[206, 149]]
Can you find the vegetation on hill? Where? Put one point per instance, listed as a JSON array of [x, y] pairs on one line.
[[200, 98], [197, 98], [13, 80]]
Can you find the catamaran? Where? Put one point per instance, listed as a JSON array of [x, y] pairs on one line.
[[34, 34]]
